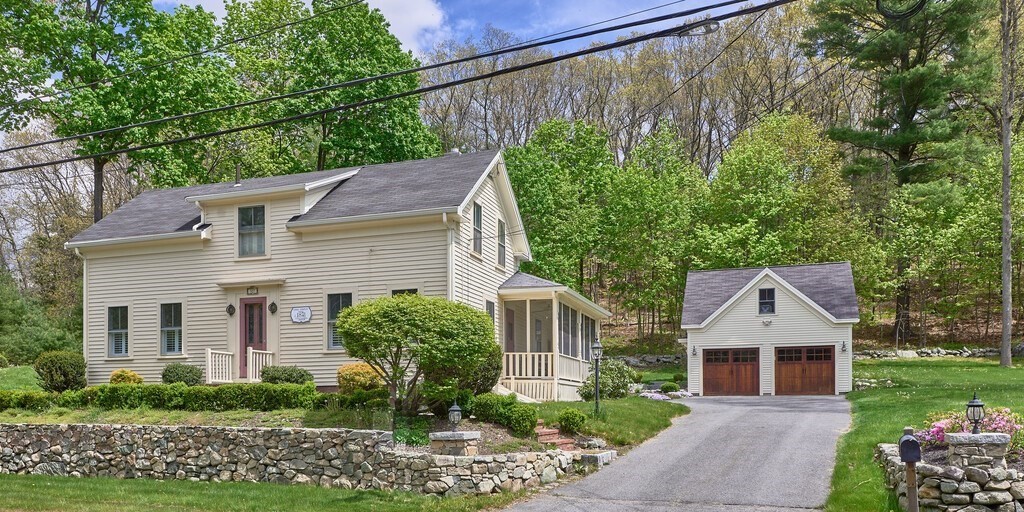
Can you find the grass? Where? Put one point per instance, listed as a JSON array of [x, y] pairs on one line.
[[659, 344], [18, 378], [626, 422], [923, 386], [39, 493], [663, 373]]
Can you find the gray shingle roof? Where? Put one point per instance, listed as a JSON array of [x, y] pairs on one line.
[[384, 188], [829, 285], [524, 280]]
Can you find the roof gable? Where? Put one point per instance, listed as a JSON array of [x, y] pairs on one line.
[[827, 288]]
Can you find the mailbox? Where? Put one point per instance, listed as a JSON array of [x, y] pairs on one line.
[[910, 448]]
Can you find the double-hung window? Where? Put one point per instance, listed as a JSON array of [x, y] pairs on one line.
[[766, 301], [252, 231], [335, 303], [490, 309], [170, 329], [478, 228], [501, 243], [117, 331]]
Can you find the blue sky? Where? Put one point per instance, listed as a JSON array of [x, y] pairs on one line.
[[421, 23]]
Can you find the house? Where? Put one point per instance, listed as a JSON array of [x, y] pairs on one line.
[[785, 330], [232, 277]]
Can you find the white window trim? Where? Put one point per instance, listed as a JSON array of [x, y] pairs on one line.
[[327, 349], [472, 248], [184, 328], [266, 234], [501, 241], [403, 285], [107, 352], [775, 301]]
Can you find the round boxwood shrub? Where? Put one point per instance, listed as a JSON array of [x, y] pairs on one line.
[[521, 419], [679, 377], [489, 406], [60, 370], [125, 376], [184, 373], [358, 376], [616, 377], [285, 375], [571, 421], [669, 387]]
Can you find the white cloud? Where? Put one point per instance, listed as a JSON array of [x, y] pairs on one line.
[[418, 24]]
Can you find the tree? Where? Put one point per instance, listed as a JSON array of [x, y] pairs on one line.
[[408, 336], [1008, 72], [919, 67], [560, 178]]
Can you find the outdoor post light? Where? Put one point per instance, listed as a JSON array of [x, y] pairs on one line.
[[597, 350], [455, 416], [975, 413]]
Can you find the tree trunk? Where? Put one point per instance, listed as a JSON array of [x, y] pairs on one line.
[[97, 188], [901, 328], [1008, 33]]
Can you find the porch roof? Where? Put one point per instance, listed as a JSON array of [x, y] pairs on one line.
[[521, 283]]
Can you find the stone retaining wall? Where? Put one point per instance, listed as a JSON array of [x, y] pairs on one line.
[[350, 459], [926, 352], [982, 488]]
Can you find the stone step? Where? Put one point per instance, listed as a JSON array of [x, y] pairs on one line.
[[545, 431], [540, 422], [566, 444], [550, 438]]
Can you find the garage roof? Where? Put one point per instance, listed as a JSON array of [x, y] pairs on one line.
[[826, 285]]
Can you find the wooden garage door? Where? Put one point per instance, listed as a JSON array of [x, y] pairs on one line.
[[805, 371], [731, 372]]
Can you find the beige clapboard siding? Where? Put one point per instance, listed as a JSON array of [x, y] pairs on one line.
[[367, 264], [794, 324], [476, 278]]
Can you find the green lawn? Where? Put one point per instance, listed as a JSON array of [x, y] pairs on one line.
[[18, 378], [628, 421], [664, 373], [25, 492], [879, 415]]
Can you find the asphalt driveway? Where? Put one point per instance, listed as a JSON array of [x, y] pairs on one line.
[[731, 454]]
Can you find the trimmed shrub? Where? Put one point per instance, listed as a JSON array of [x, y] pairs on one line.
[[358, 377], [4, 363], [491, 408], [60, 370], [286, 375], [521, 419], [571, 421], [125, 376], [179, 372], [616, 377], [669, 387], [679, 377]]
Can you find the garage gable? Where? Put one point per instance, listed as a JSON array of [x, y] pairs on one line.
[[769, 279]]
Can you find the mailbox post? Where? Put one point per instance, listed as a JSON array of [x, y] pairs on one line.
[[910, 454]]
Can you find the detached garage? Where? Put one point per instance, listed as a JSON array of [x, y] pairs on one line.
[[785, 330]]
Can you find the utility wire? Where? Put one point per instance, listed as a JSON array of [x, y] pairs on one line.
[[364, 80], [183, 57]]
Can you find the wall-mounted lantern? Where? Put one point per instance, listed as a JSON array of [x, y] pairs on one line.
[[230, 309], [272, 307], [843, 347]]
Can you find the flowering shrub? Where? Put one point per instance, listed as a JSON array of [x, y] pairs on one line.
[[654, 396], [615, 380], [999, 420]]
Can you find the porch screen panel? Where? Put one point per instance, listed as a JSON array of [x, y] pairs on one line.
[[574, 346], [564, 330]]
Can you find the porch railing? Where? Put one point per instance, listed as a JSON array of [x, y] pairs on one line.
[[537, 389], [219, 366], [529, 365], [570, 368], [255, 361]]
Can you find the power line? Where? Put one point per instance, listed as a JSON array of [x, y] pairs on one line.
[[393, 74], [183, 57], [690, 78]]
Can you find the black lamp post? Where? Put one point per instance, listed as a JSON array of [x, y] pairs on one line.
[[975, 413], [455, 416], [597, 350]]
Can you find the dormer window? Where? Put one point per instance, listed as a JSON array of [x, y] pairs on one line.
[[766, 301], [252, 231]]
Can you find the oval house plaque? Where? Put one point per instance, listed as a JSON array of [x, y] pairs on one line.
[[301, 315]]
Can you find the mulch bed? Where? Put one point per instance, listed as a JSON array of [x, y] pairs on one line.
[[493, 438]]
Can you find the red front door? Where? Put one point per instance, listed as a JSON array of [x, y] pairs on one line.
[[253, 330]]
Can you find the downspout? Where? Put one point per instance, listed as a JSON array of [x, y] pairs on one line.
[[451, 255]]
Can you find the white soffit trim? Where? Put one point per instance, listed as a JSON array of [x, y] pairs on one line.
[[332, 180], [298, 224], [138, 239], [753, 282]]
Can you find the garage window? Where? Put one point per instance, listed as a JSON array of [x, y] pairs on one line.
[[716, 356], [766, 301], [744, 356], [790, 355], [819, 354]]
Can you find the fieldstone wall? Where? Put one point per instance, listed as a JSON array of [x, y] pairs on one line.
[[350, 459], [926, 352], [985, 487]]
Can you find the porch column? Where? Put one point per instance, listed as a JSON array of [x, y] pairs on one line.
[[529, 327], [555, 345]]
